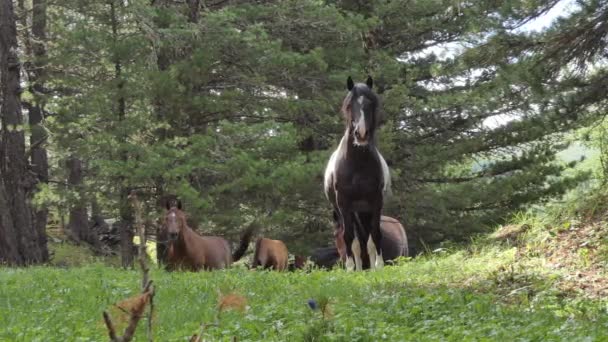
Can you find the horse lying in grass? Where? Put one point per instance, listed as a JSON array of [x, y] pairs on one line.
[[270, 254], [188, 250]]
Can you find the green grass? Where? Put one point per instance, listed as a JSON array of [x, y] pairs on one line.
[[473, 294]]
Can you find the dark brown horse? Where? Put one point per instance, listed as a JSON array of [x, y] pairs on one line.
[[325, 257], [394, 240], [187, 250], [270, 254], [357, 178]]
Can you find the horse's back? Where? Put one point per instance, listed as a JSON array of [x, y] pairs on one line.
[[325, 257], [394, 238], [271, 253], [217, 252], [281, 254]]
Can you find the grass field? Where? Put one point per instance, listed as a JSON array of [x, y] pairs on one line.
[[479, 293]]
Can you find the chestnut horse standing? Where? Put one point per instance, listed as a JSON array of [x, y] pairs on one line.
[[188, 250], [357, 178], [270, 254], [394, 240]]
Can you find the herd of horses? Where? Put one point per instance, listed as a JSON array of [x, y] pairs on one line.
[[356, 181]]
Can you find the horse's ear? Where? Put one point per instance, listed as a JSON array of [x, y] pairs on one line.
[[179, 204], [350, 84], [369, 82]]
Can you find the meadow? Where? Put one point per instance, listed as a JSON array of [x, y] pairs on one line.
[[475, 293]]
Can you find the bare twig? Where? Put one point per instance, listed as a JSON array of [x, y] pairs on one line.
[[146, 298], [137, 206], [110, 325], [204, 326], [136, 311], [146, 282]]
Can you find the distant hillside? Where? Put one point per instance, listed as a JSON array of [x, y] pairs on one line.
[[577, 151]]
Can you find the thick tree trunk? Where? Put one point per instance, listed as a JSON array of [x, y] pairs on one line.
[[194, 7], [40, 163], [9, 252], [18, 182], [78, 224]]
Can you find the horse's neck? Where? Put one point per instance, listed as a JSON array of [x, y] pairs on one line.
[[186, 236], [351, 151], [258, 244]]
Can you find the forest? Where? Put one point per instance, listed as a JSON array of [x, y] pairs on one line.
[[492, 126]]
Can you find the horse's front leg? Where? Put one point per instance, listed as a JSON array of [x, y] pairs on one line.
[[374, 244], [353, 247]]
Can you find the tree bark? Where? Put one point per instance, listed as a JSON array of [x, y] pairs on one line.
[[18, 225], [126, 213], [9, 252], [78, 224], [40, 163]]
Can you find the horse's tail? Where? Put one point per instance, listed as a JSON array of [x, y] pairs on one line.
[[245, 239]]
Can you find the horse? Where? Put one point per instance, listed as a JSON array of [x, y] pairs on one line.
[[270, 254], [299, 262], [357, 178], [325, 257], [394, 244], [394, 239], [188, 250]]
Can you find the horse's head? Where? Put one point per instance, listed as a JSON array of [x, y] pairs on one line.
[[360, 108], [175, 220]]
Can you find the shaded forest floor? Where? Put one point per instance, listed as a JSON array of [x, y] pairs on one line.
[[531, 280]]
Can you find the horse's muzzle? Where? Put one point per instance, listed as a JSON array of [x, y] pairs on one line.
[[173, 236], [359, 139]]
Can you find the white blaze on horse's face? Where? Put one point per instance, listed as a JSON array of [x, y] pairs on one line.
[[360, 127], [172, 224]]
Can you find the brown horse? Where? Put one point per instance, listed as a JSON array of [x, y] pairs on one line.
[[270, 254], [188, 250], [394, 240]]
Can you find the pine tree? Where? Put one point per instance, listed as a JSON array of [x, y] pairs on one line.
[[20, 240], [233, 106]]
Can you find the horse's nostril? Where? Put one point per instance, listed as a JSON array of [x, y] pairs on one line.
[[173, 236]]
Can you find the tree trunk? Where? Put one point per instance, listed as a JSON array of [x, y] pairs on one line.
[[18, 225], [78, 224], [40, 163], [126, 213], [194, 7], [9, 252]]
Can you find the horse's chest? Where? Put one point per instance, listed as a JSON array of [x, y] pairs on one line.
[[362, 181]]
